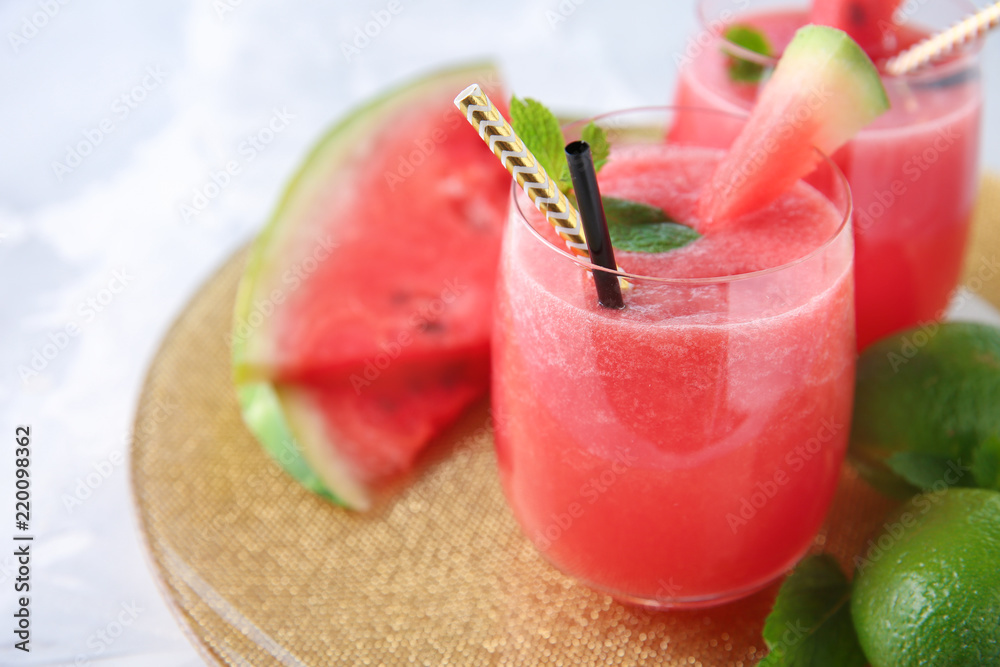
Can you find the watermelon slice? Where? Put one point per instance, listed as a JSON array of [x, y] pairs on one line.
[[823, 91], [341, 443], [362, 322], [868, 22]]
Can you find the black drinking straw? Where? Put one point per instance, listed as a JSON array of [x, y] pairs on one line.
[[595, 225]]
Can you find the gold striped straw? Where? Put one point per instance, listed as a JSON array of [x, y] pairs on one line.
[[494, 129], [946, 42]]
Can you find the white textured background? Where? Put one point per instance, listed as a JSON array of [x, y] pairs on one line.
[[226, 66]]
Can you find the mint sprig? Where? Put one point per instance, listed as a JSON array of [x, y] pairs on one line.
[[986, 463], [600, 149], [751, 39], [638, 227], [634, 226], [810, 624], [539, 130], [926, 471], [923, 470]]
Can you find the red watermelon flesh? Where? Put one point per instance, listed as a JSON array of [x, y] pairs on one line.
[[869, 22], [381, 426], [415, 225]]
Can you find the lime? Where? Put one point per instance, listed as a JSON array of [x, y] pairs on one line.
[[928, 590], [927, 409]]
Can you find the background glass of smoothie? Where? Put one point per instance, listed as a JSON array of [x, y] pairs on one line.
[[682, 451], [913, 172]]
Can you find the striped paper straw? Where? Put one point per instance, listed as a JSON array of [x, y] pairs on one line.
[[494, 129], [946, 42]]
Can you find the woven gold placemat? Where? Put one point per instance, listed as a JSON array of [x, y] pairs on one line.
[[262, 572]]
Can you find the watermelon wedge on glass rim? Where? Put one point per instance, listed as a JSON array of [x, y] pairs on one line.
[[824, 90], [362, 322]]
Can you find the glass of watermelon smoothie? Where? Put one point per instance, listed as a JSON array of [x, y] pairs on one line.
[[681, 451], [913, 172]]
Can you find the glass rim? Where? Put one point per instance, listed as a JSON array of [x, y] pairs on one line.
[[585, 263], [968, 52]]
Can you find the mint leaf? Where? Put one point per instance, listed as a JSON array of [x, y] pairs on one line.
[[876, 472], [539, 129], [986, 464], [750, 39], [924, 470], [600, 149], [810, 624], [634, 226], [638, 227], [628, 212]]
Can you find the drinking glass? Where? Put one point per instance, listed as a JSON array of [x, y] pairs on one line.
[[681, 451], [914, 173]]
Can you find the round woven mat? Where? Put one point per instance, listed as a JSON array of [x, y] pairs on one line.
[[262, 572]]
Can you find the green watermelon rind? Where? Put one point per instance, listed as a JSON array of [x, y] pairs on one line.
[[264, 415], [855, 75], [264, 411]]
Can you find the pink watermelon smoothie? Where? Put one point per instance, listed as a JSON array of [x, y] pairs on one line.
[[684, 450], [913, 173]]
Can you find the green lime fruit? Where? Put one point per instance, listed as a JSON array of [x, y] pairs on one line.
[[927, 592], [927, 409]]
